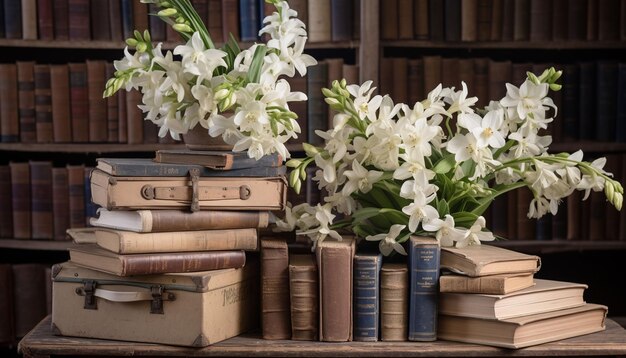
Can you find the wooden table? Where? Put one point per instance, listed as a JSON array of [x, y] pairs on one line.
[[40, 342]]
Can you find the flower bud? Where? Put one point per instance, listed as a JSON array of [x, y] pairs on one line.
[[302, 172], [182, 28], [293, 178], [221, 94], [146, 36], [328, 93], [142, 47], [609, 190], [297, 186], [167, 12], [131, 42], [555, 87], [293, 163], [310, 150], [344, 83], [619, 199]]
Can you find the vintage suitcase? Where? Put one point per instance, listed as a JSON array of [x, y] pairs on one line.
[[191, 309], [195, 192]]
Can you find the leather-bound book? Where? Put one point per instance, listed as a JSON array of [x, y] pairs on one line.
[[385, 75], [521, 25], [304, 297], [45, 16], [112, 108], [61, 112], [366, 304], [540, 20], [76, 183], [230, 19], [421, 23], [13, 19], [436, 15], [499, 76], [484, 20], [466, 74], [26, 100], [400, 90], [592, 19], [587, 120], [320, 21], [6, 206], [20, 184], [334, 262], [126, 9], [43, 104], [96, 73], [140, 16], [469, 20], [100, 21], [134, 118], [576, 19], [526, 228], [60, 202], [9, 120], [432, 73], [122, 120], [415, 77], [453, 21], [394, 302], [214, 25], [317, 112], [275, 307], [508, 20], [497, 14], [29, 296], [249, 19], [405, 19], [481, 81], [29, 19], [7, 324], [341, 17], [79, 20], [60, 21], [115, 21], [424, 258], [559, 20], [606, 100], [301, 6], [571, 99], [450, 76], [41, 199], [79, 101]]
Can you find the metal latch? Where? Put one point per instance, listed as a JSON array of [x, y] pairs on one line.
[[156, 305], [88, 290]]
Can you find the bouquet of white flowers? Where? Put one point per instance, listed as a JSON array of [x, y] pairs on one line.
[[392, 170], [233, 93]]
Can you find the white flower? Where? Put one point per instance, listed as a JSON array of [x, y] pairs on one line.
[[199, 61], [324, 218], [527, 99], [419, 211], [475, 234], [487, 133], [460, 102], [251, 116], [359, 178], [365, 107], [447, 234], [387, 242]]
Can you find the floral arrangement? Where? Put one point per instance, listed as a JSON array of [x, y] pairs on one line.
[[433, 168], [240, 95]]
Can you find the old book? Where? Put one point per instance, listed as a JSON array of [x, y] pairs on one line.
[[469, 20], [100, 20], [540, 20], [61, 20], [9, 120], [79, 101], [385, 75], [126, 9], [521, 25], [524, 331], [432, 73], [126, 242], [179, 220], [45, 16], [298, 84], [484, 20], [249, 19], [230, 19], [217, 160], [508, 20], [29, 297], [61, 111], [13, 19], [350, 73], [592, 20], [576, 19], [366, 283], [112, 104], [214, 24], [415, 76], [587, 101], [6, 206], [304, 298], [26, 100], [76, 184], [405, 19], [41, 199], [400, 88], [609, 20], [60, 202], [492, 284], [20, 184], [115, 21], [7, 324], [91, 256], [334, 72], [140, 16], [571, 99], [134, 118], [483, 260], [275, 307], [450, 78], [29, 19], [48, 288], [342, 19], [43, 104], [559, 20], [497, 14], [122, 121], [394, 302], [436, 15], [91, 208], [421, 23], [319, 26], [606, 100], [334, 262], [499, 76], [79, 20], [96, 71], [316, 107], [452, 20], [424, 258]]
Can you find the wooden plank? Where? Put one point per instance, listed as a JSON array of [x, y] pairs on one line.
[[40, 341], [47, 245], [515, 45]]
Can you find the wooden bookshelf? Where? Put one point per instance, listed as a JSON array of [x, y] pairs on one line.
[[45, 245], [554, 246], [86, 147], [510, 45]]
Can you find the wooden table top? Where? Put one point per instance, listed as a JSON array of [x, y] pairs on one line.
[[41, 342]]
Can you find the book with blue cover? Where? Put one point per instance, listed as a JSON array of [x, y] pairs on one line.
[[424, 256], [366, 296]]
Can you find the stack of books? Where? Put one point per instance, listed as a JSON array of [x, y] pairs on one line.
[[492, 298]]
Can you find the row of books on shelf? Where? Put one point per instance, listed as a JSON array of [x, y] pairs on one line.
[[503, 20], [115, 20], [591, 104], [25, 299]]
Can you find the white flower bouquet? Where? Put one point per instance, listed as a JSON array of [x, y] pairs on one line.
[[240, 95], [433, 168]]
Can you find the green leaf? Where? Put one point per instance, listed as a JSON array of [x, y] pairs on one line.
[[464, 219], [445, 164], [364, 214], [395, 216], [254, 72], [442, 208]]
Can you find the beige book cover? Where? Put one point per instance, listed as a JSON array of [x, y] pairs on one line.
[[544, 296], [394, 302], [493, 284], [303, 293], [482, 260]]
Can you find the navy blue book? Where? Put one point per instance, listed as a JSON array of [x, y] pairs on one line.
[[144, 167], [317, 112], [127, 18], [2, 34], [341, 20], [91, 209], [249, 19], [606, 102], [620, 126], [424, 257], [366, 296], [13, 19]]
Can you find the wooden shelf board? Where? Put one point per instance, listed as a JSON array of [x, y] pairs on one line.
[[588, 146], [551, 246], [544, 45], [45, 245], [86, 147]]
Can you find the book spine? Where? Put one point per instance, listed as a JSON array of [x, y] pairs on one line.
[[559, 20], [170, 220], [61, 123], [134, 117], [76, 184], [100, 21], [20, 184], [464, 284], [415, 76], [620, 126], [571, 97], [508, 20], [405, 19], [140, 16], [126, 10], [43, 104], [30, 303], [394, 305], [576, 19], [303, 288], [61, 20], [79, 20], [540, 16], [7, 305], [484, 20], [366, 297], [98, 131], [586, 102], [436, 15], [499, 76], [60, 202], [521, 26], [424, 276], [29, 19], [249, 18], [79, 101], [230, 19], [202, 8], [275, 306], [13, 19], [320, 21], [91, 208], [150, 132], [606, 100], [342, 20], [214, 25], [26, 100], [421, 22], [112, 109], [316, 111], [385, 76], [45, 13], [122, 120], [497, 14], [9, 119], [452, 9], [115, 21], [400, 68], [157, 26], [41, 200], [183, 262], [299, 84], [469, 20], [432, 72], [6, 207]]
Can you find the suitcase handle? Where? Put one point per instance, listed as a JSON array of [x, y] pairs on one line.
[[155, 295]]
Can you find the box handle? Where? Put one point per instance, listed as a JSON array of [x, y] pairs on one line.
[[156, 296]]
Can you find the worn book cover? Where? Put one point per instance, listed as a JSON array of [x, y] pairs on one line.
[[366, 293], [94, 257], [424, 257], [482, 260], [304, 297], [275, 306], [216, 160], [492, 284]]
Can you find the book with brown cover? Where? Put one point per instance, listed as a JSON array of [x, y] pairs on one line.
[[79, 20], [492, 284], [420, 20], [499, 76], [350, 73], [7, 324], [214, 24], [45, 16], [112, 108], [96, 72], [394, 302], [596, 218], [298, 84], [576, 19], [497, 14], [436, 20], [526, 227], [521, 24], [127, 242], [134, 118], [20, 184], [415, 76], [79, 101], [9, 120], [450, 78], [385, 75], [61, 112], [481, 81], [43, 104], [559, 20], [432, 73], [319, 28], [540, 20], [466, 74], [115, 21], [469, 20], [484, 20], [303, 293], [608, 20], [483, 260], [593, 6], [334, 262], [405, 19], [389, 20], [524, 331], [60, 202], [452, 20], [29, 296], [96, 258], [61, 19], [26, 100], [230, 19], [6, 206], [508, 20], [41, 199], [76, 184], [275, 306], [400, 90], [29, 19], [122, 120], [140, 16], [335, 72], [100, 21], [216, 160]]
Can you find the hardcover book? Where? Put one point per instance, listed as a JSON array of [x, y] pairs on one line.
[[26, 100], [424, 257], [275, 307], [20, 200], [7, 324], [217, 160], [6, 205], [482, 260], [366, 293], [304, 297], [28, 296], [394, 302], [96, 258], [492, 284]]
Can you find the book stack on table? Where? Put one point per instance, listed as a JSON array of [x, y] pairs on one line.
[[178, 228], [491, 297]]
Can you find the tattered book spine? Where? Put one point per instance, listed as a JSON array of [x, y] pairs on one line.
[[394, 302], [303, 288], [366, 294], [275, 307]]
